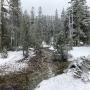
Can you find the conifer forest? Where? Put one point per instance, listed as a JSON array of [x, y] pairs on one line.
[[41, 51]]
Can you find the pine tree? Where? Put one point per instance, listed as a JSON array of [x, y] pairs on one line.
[[25, 35], [32, 30], [15, 14], [39, 28], [0, 22], [56, 22], [80, 20], [32, 18], [60, 38], [62, 22], [56, 30], [4, 39]]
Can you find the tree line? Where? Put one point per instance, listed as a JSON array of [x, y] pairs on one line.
[[18, 29]]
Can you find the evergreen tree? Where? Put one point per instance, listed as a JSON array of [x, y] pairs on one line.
[[15, 14], [56, 23], [56, 26], [4, 38], [61, 46], [0, 22], [25, 35], [39, 29], [32, 18], [32, 28], [61, 39], [80, 21]]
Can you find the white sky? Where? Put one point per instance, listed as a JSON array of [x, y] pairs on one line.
[[48, 6]]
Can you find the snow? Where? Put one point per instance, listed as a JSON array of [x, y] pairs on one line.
[[31, 52], [80, 51], [11, 64], [51, 48], [66, 81], [63, 82], [11, 56], [45, 45]]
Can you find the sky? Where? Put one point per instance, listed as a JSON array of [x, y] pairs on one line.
[[48, 6]]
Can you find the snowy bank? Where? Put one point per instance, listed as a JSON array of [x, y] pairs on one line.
[[63, 82], [67, 81], [79, 51]]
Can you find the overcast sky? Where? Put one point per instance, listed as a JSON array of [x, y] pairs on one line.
[[48, 6]]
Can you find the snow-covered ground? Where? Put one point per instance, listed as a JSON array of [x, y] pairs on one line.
[[66, 81], [63, 82], [50, 47], [44, 45], [11, 63], [80, 51]]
